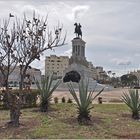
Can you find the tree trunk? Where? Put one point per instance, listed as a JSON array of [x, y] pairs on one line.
[[22, 76], [21, 82], [83, 117], [44, 106], [135, 115], [6, 85], [14, 106], [14, 117]]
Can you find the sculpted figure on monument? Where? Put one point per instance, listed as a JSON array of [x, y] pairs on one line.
[[78, 30], [72, 76]]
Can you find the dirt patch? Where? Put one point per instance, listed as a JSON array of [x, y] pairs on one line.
[[128, 135], [25, 126], [107, 96]]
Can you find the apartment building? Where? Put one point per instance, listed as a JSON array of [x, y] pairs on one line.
[[100, 73], [92, 69], [56, 64]]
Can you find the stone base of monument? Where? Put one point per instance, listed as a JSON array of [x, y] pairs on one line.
[[86, 75], [93, 85], [98, 87]]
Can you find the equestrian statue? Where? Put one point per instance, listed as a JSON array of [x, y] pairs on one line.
[[78, 31]]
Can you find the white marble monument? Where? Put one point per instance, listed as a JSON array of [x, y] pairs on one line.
[[78, 60]]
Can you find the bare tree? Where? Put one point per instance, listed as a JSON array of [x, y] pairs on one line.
[[35, 38], [8, 62], [8, 50], [20, 44]]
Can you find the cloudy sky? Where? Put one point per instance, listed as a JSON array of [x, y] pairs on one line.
[[111, 28]]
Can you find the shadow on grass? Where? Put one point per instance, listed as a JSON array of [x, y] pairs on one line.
[[127, 115], [7, 131], [74, 121], [51, 109]]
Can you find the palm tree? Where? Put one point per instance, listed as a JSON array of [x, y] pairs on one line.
[[46, 89], [84, 102], [113, 74], [109, 72], [132, 100]]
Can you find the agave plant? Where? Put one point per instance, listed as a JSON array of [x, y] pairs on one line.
[[46, 88], [132, 100], [84, 101]]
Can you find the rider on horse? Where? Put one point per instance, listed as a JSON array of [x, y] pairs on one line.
[[78, 30]]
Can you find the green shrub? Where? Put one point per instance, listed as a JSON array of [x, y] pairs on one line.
[[55, 100], [69, 100], [28, 99], [132, 100], [100, 101], [63, 100], [84, 102], [46, 88]]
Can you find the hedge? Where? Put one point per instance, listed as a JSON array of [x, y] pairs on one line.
[[28, 98]]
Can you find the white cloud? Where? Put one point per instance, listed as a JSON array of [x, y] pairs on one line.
[[28, 9], [122, 61], [67, 53], [77, 12], [137, 55], [39, 64]]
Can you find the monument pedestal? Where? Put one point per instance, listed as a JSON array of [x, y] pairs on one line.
[[79, 63]]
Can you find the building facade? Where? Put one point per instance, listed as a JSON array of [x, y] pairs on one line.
[[14, 77], [101, 75], [93, 70], [56, 64]]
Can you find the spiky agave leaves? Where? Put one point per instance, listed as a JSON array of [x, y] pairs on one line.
[[84, 101], [132, 100], [46, 88]]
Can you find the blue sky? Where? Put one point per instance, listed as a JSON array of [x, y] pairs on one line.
[[111, 28]]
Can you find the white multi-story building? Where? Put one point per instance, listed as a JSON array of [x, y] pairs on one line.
[[99, 69], [14, 78], [93, 70], [100, 73], [56, 64]]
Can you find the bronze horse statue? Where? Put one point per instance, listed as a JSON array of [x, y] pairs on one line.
[[78, 30]]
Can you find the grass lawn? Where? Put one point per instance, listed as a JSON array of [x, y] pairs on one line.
[[107, 121]]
